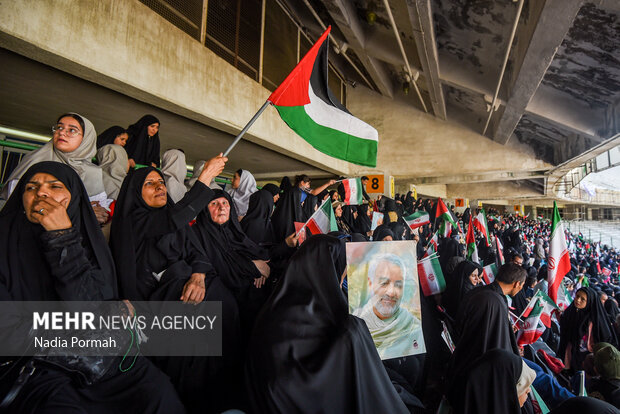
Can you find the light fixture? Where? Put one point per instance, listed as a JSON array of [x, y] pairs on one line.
[[371, 13]]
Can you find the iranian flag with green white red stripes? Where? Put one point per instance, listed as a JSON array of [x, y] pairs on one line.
[[417, 219], [323, 220], [559, 259], [353, 191], [306, 104], [431, 276], [480, 221], [489, 272], [537, 316]]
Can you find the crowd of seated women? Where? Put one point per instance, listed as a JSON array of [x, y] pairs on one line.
[[122, 228]]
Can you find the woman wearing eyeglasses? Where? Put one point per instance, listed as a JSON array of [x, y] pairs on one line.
[[74, 143], [465, 277]]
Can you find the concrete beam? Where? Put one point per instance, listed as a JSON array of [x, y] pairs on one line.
[[421, 17], [566, 112], [499, 190], [345, 15], [481, 178], [555, 20]]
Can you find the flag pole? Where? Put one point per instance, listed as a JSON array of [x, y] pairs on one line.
[[245, 128]]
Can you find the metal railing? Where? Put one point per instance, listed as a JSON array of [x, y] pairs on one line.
[[596, 231]]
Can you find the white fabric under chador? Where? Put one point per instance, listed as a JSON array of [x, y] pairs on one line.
[[241, 195], [397, 336], [174, 169]]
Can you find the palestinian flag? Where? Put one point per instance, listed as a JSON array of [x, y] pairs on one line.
[[447, 223], [489, 272], [417, 219], [559, 259], [352, 191], [537, 316], [500, 253], [323, 220], [431, 276], [306, 104], [472, 250], [480, 221]]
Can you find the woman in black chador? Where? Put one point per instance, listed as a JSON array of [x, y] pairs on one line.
[[307, 354], [143, 143], [240, 263], [159, 258], [51, 249]]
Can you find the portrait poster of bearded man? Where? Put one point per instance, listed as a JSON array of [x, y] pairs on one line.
[[384, 292]]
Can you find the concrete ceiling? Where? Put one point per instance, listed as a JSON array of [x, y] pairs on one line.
[[34, 94], [560, 94]]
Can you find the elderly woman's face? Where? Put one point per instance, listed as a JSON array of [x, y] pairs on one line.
[[43, 186], [154, 192], [68, 135], [153, 129], [121, 139], [219, 210]]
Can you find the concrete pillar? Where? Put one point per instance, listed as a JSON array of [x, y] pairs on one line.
[[589, 216]]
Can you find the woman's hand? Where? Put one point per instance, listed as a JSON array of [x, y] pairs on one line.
[[291, 241], [194, 289], [132, 163], [263, 267], [212, 169], [51, 214], [259, 282], [101, 213]]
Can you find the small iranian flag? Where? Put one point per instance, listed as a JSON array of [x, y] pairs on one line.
[[417, 219], [431, 276], [323, 220], [431, 247], [480, 221], [606, 272], [472, 250], [559, 259], [352, 191], [489, 272], [306, 104], [564, 297], [537, 316], [447, 223]]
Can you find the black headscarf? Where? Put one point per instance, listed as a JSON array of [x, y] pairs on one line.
[[457, 286], [288, 211], [272, 188], [490, 386], [574, 325], [347, 216], [229, 249], [381, 232], [611, 307], [363, 222], [448, 248], [306, 352], [285, 184], [109, 135], [140, 147], [256, 224], [408, 203], [137, 228], [24, 270]]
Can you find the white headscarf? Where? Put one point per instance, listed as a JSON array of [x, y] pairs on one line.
[[198, 166], [241, 195], [113, 161], [80, 160], [174, 169]]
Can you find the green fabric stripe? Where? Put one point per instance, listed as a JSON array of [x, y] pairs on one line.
[[329, 141], [556, 218]]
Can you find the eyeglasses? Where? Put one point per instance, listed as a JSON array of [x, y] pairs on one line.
[[70, 131]]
